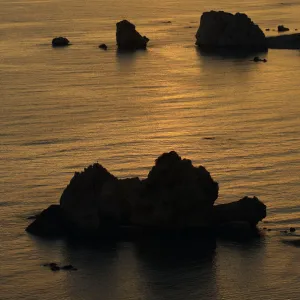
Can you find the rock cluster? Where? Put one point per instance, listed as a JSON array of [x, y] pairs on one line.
[[175, 195], [219, 29]]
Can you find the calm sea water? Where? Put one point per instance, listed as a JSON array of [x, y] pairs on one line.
[[63, 109]]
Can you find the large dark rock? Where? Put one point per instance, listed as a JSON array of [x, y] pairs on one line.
[[219, 29], [87, 198], [49, 223], [176, 196], [286, 41], [248, 210], [128, 39]]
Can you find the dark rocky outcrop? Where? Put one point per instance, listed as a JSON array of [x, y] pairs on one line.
[[60, 42], [128, 39], [175, 196], [258, 59], [286, 41], [103, 46], [219, 29], [282, 28], [247, 209], [49, 223]]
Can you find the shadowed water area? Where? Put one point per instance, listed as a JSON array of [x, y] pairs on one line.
[[63, 109]]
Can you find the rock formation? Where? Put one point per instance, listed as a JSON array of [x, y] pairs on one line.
[[128, 39], [286, 41], [220, 29], [247, 209], [103, 46], [282, 28], [60, 42], [175, 195]]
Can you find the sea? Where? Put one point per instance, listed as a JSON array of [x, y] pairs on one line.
[[64, 109]]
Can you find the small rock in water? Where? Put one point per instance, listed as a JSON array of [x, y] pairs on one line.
[[268, 29], [269, 229], [103, 46], [55, 268], [282, 28], [60, 42], [292, 229], [257, 59], [69, 267]]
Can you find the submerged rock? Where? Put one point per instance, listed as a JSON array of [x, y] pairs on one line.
[[219, 29], [128, 39], [60, 42]]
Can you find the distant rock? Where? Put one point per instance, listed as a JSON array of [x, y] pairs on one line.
[[292, 229], [258, 59], [219, 29], [282, 28], [55, 267], [69, 268], [128, 39], [286, 41], [103, 46], [60, 42]]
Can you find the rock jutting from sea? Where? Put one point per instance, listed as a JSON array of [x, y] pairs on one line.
[[224, 30], [128, 39], [175, 196], [219, 29]]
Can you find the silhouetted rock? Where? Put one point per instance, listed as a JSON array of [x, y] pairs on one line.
[[175, 196], [268, 29], [69, 268], [48, 223], [225, 30], [128, 39], [286, 41], [292, 229], [55, 268], [60, 42], [258, 59], [282, 28], [247, 209], [85, 196], [103, 46]]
